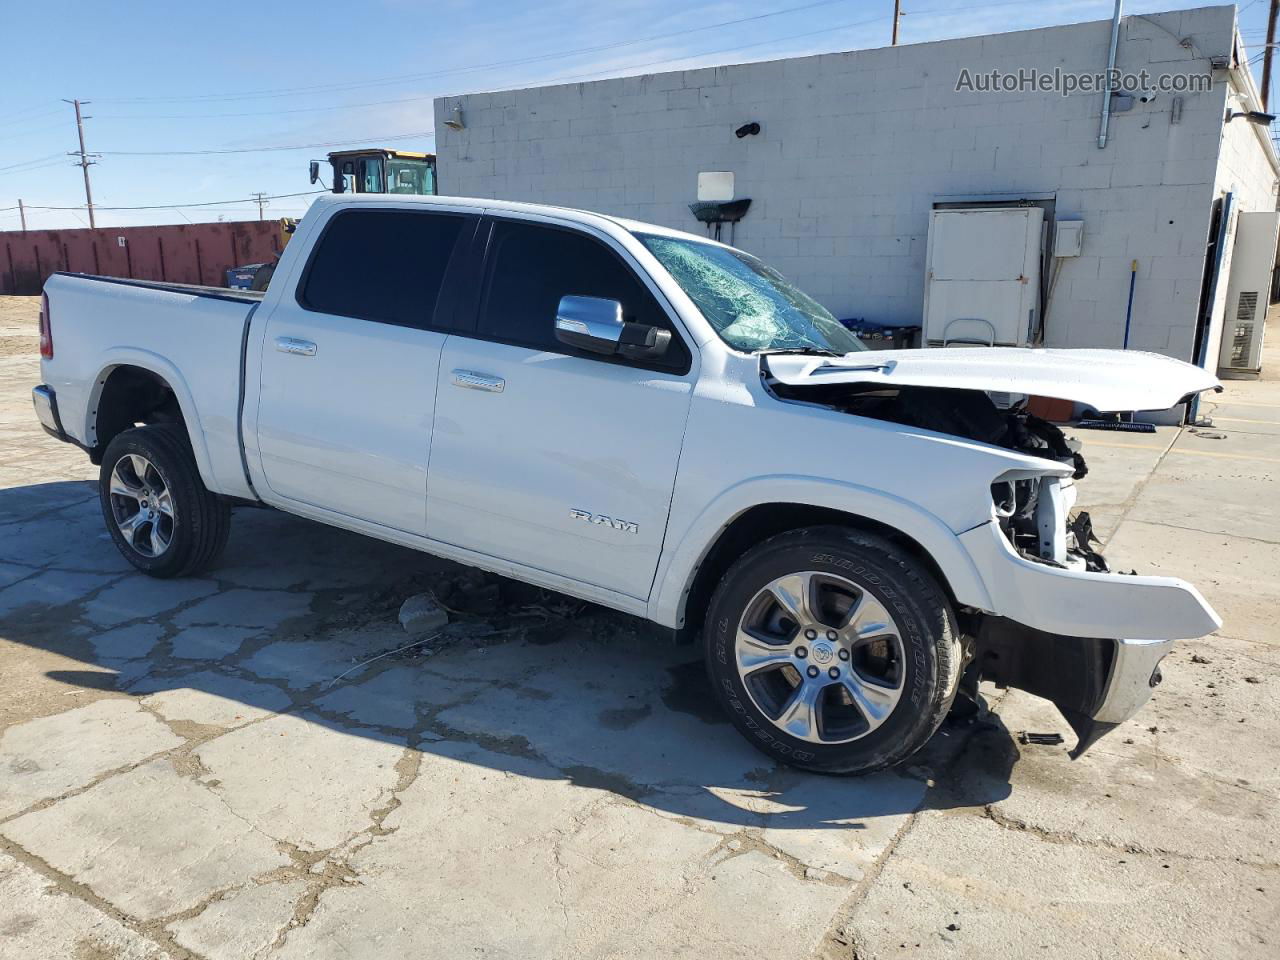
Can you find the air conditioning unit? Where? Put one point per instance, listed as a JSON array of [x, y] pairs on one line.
[[1252, 261]]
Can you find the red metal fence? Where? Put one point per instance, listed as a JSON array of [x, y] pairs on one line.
[[189, 253]]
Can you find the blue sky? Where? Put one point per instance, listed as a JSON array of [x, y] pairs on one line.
[[186, 76]]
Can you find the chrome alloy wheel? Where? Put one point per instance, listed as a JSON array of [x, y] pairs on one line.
[[820, 657], [141, 505]]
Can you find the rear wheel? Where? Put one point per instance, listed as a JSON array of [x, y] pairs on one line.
[[833, 650], [158, 511]]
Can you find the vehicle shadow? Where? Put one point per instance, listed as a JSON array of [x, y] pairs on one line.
[[300, 618]]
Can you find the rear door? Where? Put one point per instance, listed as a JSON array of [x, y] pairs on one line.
[[553, 459], [349, 364]]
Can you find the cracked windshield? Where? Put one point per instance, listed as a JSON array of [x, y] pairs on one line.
[[752, 307]]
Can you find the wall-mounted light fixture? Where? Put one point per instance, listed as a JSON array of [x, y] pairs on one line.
[[747, 130], [455, 121], [1253, 116]]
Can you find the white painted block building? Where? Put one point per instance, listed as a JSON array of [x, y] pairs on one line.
[[856, 150]]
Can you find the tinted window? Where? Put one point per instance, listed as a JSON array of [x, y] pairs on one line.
[[383, 265], [531, 267]]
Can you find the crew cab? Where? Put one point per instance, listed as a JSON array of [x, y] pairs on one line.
[[644, 419]]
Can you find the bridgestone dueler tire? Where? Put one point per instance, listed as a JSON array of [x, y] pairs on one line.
[[928, 629], [202, 521]]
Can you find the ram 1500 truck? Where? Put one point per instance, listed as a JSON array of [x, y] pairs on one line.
[[644, 419]]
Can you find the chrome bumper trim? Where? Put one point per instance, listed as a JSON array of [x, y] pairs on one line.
[[1134, 675]]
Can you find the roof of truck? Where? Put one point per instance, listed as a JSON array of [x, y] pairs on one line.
[[513, 206]]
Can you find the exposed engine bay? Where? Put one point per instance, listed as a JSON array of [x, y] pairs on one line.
[[1033, 512]]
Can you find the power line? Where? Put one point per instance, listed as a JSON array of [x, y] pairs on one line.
[[187, 206], [382, 81], [262, 149], [24, 163]]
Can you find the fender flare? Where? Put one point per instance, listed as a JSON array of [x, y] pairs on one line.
[[680, 563], [163, 368]]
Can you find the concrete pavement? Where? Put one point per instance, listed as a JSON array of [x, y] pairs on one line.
[[182, 775]]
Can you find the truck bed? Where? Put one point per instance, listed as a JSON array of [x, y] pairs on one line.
[[191, 337], [200, 290]]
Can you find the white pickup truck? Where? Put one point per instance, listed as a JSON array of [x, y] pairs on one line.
[[647, 420]]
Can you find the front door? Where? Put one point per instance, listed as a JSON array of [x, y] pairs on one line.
[[549, 458], [348, 366]]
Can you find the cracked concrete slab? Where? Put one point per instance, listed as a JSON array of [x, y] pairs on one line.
[[50, 588], [324, 783], [127, 643], [211, 642], [939, 896], [137, 596], [45, 758], [544, 881], [263, 609], [569, 712], [149, 841], [241, 925], [212, 699], [37, 919], [304, 663], [393, 698]]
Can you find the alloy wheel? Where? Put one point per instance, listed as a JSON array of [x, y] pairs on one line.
[[821, 657], [142, 505]]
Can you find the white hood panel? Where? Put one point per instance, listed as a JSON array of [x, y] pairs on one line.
[[1107, 380]]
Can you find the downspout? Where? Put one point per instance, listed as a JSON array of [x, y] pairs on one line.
[[1111, 66]]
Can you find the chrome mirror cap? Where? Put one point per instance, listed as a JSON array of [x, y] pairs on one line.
[[590, 323]]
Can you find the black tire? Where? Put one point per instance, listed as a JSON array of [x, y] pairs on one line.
[[925, 671], [200, 522]]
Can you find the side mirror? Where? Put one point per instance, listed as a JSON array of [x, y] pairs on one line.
[[595, 324], [315, 171]]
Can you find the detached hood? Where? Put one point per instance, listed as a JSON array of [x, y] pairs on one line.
[[1107, 380]]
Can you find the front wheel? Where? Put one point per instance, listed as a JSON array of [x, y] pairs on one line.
[[833, 650], [159, 513]]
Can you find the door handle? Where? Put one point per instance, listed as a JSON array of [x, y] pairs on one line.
[[302, 348], [478, 381]]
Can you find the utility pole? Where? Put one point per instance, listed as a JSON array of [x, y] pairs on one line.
[[1266, 53], [22, 215], [84, 161], [897, 15], [260, 197]]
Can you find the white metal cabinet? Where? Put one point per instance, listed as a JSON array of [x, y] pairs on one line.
[[568, 468], [1248, 295], [983, 276]]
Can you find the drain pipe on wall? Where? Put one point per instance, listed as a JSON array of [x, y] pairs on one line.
[[1111, 65]]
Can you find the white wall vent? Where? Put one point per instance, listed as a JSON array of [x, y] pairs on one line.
[[1242, 330]]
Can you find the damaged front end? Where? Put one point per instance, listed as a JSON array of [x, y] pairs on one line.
[[1058, 617]]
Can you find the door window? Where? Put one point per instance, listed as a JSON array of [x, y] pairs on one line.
[[532, 266], [382, 265]]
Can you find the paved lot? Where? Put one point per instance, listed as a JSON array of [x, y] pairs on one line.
[[181, 776]]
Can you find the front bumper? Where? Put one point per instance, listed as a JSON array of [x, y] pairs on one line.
[[1135, 673], [1080, 603], [1097, 684]]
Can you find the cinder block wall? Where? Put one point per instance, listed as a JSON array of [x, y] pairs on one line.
[[856, 147]]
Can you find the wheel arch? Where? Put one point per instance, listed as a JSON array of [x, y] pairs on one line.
[[140, 387], [734, 523]]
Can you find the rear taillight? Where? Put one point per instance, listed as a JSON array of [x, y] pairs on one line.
[[46, 333]]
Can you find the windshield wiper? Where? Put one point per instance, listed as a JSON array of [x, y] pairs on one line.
[[815, 351]]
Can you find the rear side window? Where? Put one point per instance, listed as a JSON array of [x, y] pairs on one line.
[[381, 265], [532, 266]]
